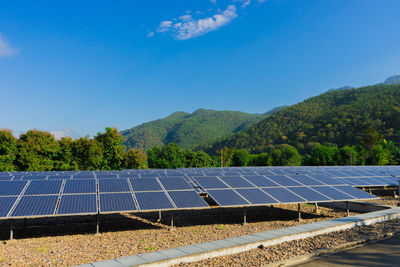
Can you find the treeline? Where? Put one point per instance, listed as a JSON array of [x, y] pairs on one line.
[[39, 151]]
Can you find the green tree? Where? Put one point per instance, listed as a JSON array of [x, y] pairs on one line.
[[136, 159], [37, 151], [197, 159], [322, 155], [290, 156], [65, 158], [88, 153], [262, 159], [170, 156], [8, 150], [225, 156], [348, 156], [113, 151], [379, 155], [240, 157]]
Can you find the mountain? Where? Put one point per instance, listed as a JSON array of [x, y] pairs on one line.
[[339, 117], [393, 80], [189, 130]]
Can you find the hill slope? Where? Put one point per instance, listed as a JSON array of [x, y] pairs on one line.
[[189, 130], [339, 117]]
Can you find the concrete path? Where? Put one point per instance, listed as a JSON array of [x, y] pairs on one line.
[[381, 253]]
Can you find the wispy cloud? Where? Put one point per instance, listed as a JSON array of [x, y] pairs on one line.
[[245, 3], [5, 49], [213, 1], [186, 27], [66, 132]]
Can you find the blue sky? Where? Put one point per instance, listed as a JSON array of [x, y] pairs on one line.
[[79, 66]]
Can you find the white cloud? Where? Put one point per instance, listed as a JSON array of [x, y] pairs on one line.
[[150, 34], [245, 3], [213, 1], [66, 132], [5, 49], [185, 27]]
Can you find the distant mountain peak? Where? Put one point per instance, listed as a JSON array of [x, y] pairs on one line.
[[393, 80]]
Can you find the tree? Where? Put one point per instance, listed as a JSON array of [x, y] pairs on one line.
[[379, 155], [8, 150], [324, 155], [290, 156], [136, 159], [348, 156], [197, 159], [37, 151], [240, 157], [88, 153], [170, 156], [65, 158], [262, 159], [370, 138], [225, 155], [113, 151]]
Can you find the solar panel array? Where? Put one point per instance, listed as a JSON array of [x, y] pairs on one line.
[[33, 194]]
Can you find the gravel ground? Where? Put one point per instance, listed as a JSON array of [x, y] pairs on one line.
[[70, 241]]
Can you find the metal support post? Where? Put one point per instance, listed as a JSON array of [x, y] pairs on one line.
[[97, 224], [172, 222], [347, 208], [25, 222], [11, 230], [316, 208], [244, 216], [299, 212], [159, 216]]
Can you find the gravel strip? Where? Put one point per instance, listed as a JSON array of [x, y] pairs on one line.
[[286, 250], [65, 248]]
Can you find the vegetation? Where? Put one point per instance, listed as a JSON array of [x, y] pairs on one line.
[[189, 130]]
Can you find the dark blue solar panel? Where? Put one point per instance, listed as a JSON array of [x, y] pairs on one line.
[[11, 188], [332, 193], [256, 196], [175, 183], [261, 181], [187, 199], [308, 194], [35, 206], [44, 187], [227, 197], [325, 179], [283, 180], [145, 184], [210, 182], [283, 195], [117, 202], [33, 177], [305, 180], [153, 201], [78, 204], [357, 193], [106, 176], [113, 185], [80, 186], [83, 176], [5, 178], [6, 203], [58, 177], [236, 181]]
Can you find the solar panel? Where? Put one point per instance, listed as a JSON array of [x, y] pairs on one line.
[[58, 177], [305, 180], [283, 180], [283, 195], [309, 194], [35, 206], [175, 184], [145, 184], [44, 187], [256, 196], [332, 193], [11, 188], [210, 182], [227, 197], [6, 203], [78, 204], [113, 185], [153, 201], [261, 181], [117, 202], [357, 193], [187, 199], [80, 186], [236, 182]]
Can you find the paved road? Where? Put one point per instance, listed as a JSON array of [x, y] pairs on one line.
[[382, 253]]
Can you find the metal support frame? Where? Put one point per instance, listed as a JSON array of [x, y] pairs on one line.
[[244, 217], [347, 208], [299, 212], [159, 216]]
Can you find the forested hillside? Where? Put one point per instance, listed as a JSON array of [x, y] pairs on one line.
[[189, 130], [339, 117]]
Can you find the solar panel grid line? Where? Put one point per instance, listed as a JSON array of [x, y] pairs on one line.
[[133, 194], [166, 193], [310, 187], [60, 195], [18, 199]]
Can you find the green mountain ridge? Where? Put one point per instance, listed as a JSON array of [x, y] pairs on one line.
[[337, 117], [201, 127]]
